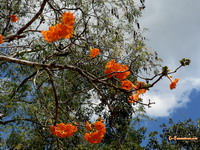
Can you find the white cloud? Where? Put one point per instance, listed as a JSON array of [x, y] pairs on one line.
[[167, 101]]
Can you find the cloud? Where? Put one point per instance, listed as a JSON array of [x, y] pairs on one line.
[[166, 100], [173, 33]]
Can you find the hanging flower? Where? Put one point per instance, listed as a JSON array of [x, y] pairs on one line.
[[173, 83], [94, 52], [14, 18]]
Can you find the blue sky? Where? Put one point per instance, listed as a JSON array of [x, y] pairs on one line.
[[174, 33]]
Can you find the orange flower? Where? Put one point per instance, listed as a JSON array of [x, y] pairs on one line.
[[118, 70], [94, 52], [110, 64], [110, 72], [96, 136], [140, 87], [111, 67], [88, 126], [173, 84], [61, 30], [124, 74], [141, 91], [57, 32], [133, 98], [63, 130], [99, 126], [14, 18], [52, 129], [68, 18], [127, 85], [1, 39]]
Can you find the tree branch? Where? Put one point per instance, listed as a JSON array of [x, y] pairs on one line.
[[12, 37], [55, 94], [34, 18], [84, 73]]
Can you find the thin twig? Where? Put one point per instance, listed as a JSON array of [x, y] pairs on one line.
[[23, 82], [20, 31], [20, 119]]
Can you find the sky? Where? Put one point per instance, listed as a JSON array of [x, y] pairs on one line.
[[174, 33]]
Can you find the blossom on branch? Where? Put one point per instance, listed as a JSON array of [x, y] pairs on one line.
[[127, 85], [140, 89], [68, 18], [63, 130], [98, 134], [94, 52], [173, 83], [124, 74], [1, 39], [133, 98], [14, 18], [61, 30], [115, 69], [88, 126]]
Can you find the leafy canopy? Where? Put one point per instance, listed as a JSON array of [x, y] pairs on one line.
[[63, 62]]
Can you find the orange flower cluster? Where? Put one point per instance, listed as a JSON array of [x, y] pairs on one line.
[[133, 98], [140, 87], [64, 29], [115, 69], [63, 130], [173, 83], [1, 39], [127, 85], [94, 52], [14, 18], [96, 136], [139, 90], [120, 72]]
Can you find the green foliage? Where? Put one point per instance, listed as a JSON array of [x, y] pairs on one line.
[[185, 129], [185, 62]]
